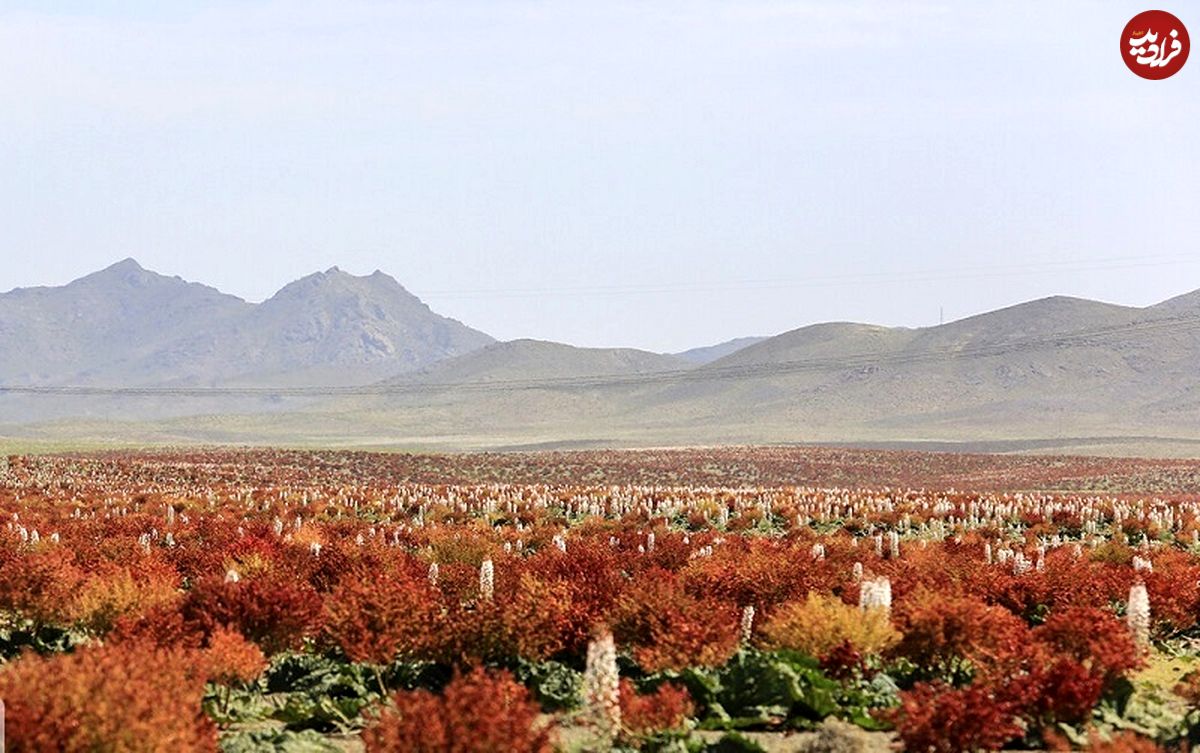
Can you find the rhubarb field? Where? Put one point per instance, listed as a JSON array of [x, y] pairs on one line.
[[671, 600]]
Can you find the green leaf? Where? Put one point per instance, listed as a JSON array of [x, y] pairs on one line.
[[320, 692], [302, 711], [758, 689], [411, 675], [278, 740], [555, 685], [295, 672], [231, 705]]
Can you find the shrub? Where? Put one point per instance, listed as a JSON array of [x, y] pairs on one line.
[[594, 578], [936, 718], [942, 635], [844, 662], [754, 571], [539, 618], [120, 699], [479, 712], [1174, 589], [161, 626], [112, 592], [377, 620], [1093, 637], [274, 613], [1064, 691], [820, 624], [1121, 742], [470, 634], [667, 708], [669, 629], [230, 658], [41, 585]]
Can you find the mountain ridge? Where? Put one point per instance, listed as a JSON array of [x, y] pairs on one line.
[[128, 325], [709, 353], [529, 359], [1053, 367]]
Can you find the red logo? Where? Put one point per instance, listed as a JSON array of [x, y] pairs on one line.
[[1155, 44]]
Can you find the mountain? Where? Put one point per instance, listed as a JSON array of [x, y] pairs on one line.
[[1052, 367], [127, 326], [832, 340], [710, 353], [1186, 304], [104, 328], [329, 328], [1056, 373], [533, 360]]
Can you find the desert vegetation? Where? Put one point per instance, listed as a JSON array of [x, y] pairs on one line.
[[691, 600]]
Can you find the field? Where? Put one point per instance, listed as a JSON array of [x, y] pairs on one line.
[[731, 599]]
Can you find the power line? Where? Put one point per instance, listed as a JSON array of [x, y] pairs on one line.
[[667, 377]]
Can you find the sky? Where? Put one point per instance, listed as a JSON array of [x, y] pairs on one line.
[[659, 175]]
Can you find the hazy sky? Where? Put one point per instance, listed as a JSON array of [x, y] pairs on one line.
[[654, 174]]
